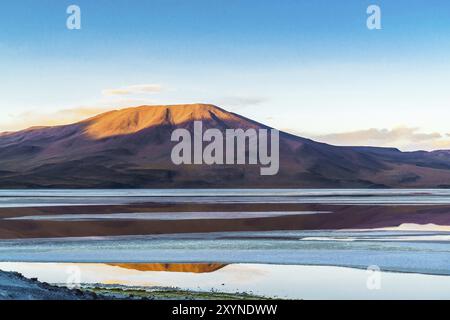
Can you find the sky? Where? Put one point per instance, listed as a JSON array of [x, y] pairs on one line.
[[308, 67]]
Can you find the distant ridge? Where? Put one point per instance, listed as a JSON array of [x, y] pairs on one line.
[[130, 148]]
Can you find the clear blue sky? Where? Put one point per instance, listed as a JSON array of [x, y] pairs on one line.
[[308, 66]]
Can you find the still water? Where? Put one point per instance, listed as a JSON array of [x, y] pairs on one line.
[[292, 264], [38, 198]]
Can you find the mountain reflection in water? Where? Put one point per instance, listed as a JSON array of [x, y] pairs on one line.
[[172, 267]]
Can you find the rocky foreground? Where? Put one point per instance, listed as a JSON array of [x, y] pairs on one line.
[[14, 286]]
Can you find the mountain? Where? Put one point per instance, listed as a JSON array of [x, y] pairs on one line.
[[131, 148]]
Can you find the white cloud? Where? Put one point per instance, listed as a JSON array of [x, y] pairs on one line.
[[404, 138], [239, 102], [134, 89], [36, 117], [129, 96]]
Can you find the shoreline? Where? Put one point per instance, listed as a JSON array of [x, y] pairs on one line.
[[15, 286]]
